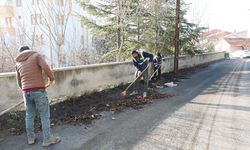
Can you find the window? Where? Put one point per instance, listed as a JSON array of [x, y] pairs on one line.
[[39, 18], [35, 2], [60, 39], [8, 21], [59, 2], [36, 19], [32, 19], [39, 39], [59, 19], [19, 20], [2, 23], [18, 3]]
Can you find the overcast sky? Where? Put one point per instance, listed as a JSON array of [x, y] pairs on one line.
[[228, 15]]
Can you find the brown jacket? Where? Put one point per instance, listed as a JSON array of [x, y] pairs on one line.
[[29, 69]]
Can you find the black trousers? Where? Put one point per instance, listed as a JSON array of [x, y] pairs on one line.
[[158, 73], [145, 77]]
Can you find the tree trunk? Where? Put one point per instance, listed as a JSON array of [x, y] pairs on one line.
[[59, 56], [156, 27], [119, 31], [138, 28]]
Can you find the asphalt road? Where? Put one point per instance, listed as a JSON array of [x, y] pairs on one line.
[[210, 111]]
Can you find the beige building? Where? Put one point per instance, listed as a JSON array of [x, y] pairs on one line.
[[51, 26], [233, 44], [6, 19]]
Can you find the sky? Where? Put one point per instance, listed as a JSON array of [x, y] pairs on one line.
[[228, 15]]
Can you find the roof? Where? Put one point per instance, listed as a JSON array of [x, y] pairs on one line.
[[238, 41], [214, 36], [242, 34]]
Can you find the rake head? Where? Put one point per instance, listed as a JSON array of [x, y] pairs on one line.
[[124, 93]]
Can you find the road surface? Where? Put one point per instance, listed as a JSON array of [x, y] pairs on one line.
[[210, 111]]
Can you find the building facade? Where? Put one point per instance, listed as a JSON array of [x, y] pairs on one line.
[[233, 44], [6, 19], [52, 27]]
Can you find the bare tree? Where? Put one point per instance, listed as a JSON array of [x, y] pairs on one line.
[[54, 20], [7, 53]]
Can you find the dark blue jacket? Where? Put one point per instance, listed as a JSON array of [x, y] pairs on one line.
[[141, 63], [157, 62]]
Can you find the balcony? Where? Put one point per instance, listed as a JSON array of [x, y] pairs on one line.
[[9, 30], [6, 11]]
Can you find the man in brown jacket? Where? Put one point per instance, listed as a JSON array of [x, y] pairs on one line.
[[29, 73]]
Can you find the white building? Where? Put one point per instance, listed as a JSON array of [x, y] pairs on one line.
[[6, 20], [233, 44], [222, 45], [50, 26]]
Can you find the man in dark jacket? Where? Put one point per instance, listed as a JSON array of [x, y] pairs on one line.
[[157, 65], [142, 61], [29, 68]]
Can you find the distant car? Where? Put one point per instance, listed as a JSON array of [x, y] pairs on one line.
[[237, 54], [246, 53]]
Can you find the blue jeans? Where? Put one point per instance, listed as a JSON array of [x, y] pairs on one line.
[[37, 100]]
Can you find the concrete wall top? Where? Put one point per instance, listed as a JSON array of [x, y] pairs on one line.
[[9, 74]]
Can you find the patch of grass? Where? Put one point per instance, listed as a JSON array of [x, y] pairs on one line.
[[13, 123]]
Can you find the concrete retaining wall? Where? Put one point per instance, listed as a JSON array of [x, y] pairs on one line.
[[74, 81]]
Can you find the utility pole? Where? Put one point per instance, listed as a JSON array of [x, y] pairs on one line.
[[177, 39]]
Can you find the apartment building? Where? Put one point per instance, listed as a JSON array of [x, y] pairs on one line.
[[6, 19], [50, 26]]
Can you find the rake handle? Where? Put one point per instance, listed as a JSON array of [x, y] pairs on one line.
[[154, 72], [136, 79], [10, 108]]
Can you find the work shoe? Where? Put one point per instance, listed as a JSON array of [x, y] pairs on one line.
[[133, 93], [32, 140], [144, 94], [51, 140]]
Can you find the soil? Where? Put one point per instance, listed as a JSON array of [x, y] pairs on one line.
[[88, 107]]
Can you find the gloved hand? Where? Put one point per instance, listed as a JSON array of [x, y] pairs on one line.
[[139, 73]]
